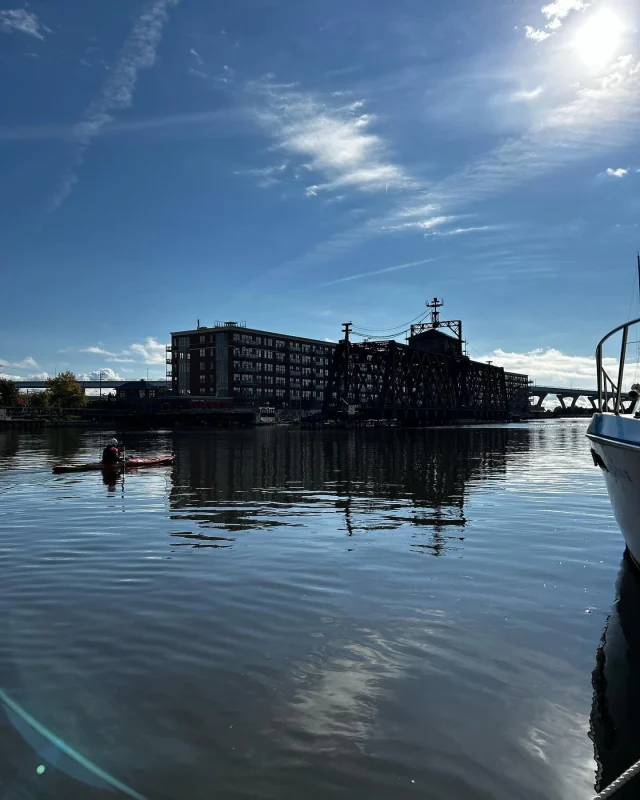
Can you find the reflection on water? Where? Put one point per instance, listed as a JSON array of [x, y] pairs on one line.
[[260, 620], [615, 718], [373, 482]]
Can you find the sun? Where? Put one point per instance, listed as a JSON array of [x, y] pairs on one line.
[[598, 39]]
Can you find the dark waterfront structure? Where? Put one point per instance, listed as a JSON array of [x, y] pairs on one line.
[[253, 367], [429, 380]]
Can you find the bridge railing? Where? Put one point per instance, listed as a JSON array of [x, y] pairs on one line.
[[608, 388]]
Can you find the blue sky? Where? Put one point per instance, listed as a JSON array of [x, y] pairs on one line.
[[296, 165]]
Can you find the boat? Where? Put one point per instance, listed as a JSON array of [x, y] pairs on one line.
[[127, 464], [614, 433]]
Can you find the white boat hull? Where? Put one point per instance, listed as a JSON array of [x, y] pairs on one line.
[[615, 443]]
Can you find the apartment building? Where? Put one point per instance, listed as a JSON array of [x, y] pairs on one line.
[[255, 367]]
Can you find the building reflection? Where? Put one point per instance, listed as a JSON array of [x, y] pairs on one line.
[[376, 479], [615, 714]]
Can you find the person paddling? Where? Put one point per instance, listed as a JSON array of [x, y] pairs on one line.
[[111, 453]]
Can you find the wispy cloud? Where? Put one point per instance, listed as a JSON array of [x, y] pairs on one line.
[[620, 172], [395, 268], [138, 52], [26, 363], [335, 144], [267, 176], [97, 351], [197, 56], [19, 20], [400, 223], [527, 94], [458, 231]]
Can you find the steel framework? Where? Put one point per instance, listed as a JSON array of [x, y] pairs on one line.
[[378, 380]]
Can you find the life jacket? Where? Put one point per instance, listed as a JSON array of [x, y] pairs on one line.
[[110, 454]]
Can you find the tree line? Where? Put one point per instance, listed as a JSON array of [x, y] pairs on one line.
[[63, 391]]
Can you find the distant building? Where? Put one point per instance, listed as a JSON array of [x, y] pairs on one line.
[[136, 390], [517, 388], [250, 366]]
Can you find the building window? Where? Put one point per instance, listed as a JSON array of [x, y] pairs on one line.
[[279, 356], [143, 393], [306, 395], [203, 366], [203, 378], [279, 343], [281, 368], [203, 390], [268, 353], [268, 379], [279, 392], [203, 352], [268, 367], [281, 381], [203, 338], [268, 342], [295, 393]]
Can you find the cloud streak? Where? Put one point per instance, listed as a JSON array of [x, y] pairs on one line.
[[360, 275], [138, 52]]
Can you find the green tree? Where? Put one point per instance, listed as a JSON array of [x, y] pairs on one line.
[[38, 399], [65, 391], [8, 392]]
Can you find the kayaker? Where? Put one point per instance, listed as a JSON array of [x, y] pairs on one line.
[[111, 453]]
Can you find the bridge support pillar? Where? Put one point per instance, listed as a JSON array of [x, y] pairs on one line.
[[592, 400], [561, 400], [540, 399]]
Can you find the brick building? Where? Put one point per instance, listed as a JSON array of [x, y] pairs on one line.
[[254, 367]]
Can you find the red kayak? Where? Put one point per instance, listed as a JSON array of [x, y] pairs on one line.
[[129, 463]]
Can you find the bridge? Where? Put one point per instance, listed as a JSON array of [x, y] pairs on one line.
[[563, 394], [27, 384]]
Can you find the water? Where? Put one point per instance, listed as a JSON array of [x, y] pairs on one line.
[[287, 613]]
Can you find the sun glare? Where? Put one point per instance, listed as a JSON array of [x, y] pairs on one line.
[[598, 39]]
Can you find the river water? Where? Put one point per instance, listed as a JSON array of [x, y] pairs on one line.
[[308, 614]]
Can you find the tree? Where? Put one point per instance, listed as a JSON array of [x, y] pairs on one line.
[[38, 399], [8, 392], [65, 391]]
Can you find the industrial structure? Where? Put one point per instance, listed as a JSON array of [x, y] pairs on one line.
[[248, 366], [428, 380]]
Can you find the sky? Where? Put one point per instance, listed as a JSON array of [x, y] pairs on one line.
[[298, 165]]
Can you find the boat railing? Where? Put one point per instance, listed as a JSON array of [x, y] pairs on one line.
[[610, 390]]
